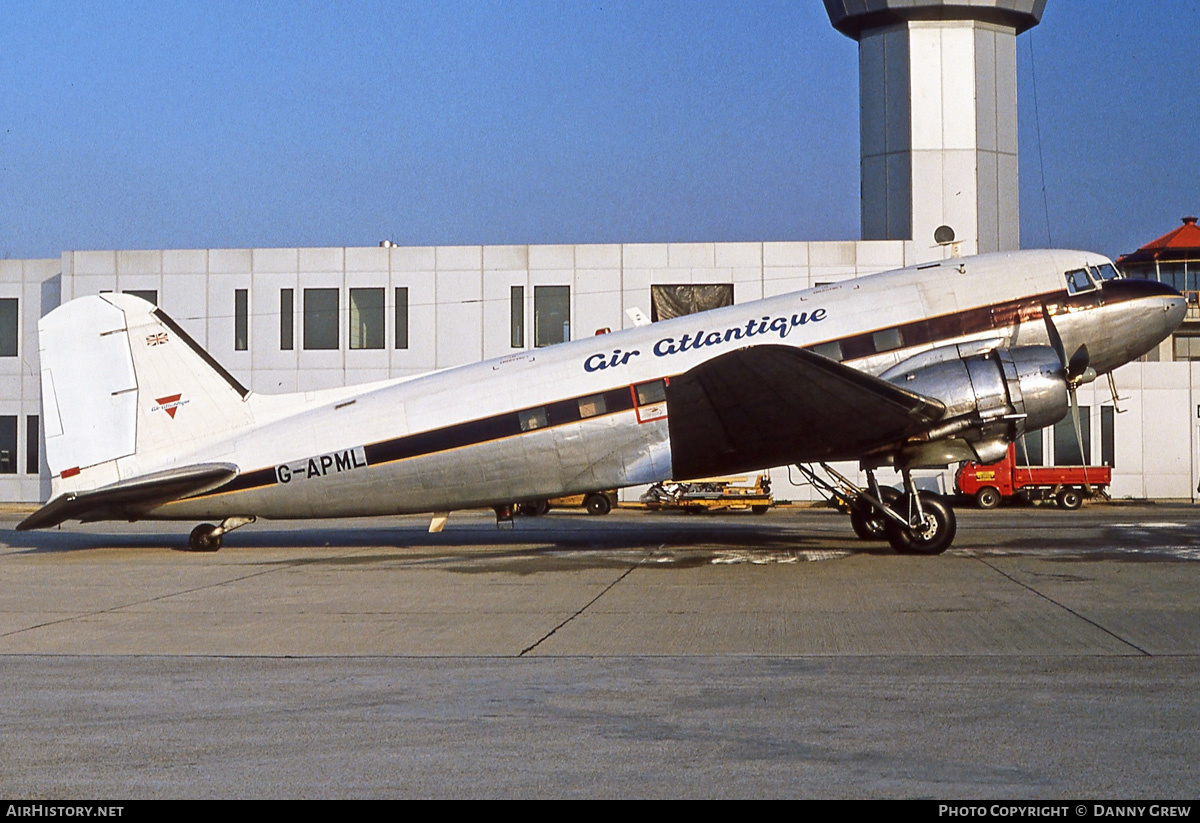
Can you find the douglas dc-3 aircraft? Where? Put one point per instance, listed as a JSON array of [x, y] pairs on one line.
[[913, 368]]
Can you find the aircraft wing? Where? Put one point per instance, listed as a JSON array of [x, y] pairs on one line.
[[129, 498], [778, 405]]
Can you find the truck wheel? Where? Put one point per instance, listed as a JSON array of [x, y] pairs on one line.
[[598, 504], [934, 536], [987, 498], [1070, 499]]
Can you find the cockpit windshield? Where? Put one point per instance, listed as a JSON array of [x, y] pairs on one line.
[[1107, 271], [1078, 281]]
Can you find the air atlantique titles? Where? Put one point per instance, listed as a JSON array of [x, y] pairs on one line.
[[781, 326]]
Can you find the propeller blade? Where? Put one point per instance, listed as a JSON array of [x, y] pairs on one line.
[[1079, 438], [1056, 342]]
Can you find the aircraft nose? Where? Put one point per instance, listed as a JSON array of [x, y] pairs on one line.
[[1160, 308]]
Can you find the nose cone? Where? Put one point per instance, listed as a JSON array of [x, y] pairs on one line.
[[1147, 312]]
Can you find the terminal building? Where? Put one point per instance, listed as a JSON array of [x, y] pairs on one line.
[[939, 178]]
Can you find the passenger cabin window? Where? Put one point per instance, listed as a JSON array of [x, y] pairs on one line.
[[832, 350], [886, 340], [592, 406], [1078, 281], [652, 392], [532, 419]]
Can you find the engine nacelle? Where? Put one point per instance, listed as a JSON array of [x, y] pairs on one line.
[[990, 398]]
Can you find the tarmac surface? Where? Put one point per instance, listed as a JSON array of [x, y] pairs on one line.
[[1049, 654]]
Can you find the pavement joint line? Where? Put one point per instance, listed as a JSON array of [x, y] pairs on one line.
[[1066, 608], [270, 569], [588, 604]]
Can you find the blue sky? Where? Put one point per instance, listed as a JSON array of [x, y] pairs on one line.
[[234, 124]]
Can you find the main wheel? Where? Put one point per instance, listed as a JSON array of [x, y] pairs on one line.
[[987, 498], [1070, 499], [933, 536], [535, 508], [597, 504], [867, 522], [201, 539]]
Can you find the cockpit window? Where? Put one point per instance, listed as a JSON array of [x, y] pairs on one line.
[[1078, 281], [1106, 272]]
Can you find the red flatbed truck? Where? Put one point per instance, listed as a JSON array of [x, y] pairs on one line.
[[1067, 485]]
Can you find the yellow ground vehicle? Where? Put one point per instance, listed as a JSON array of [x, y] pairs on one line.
[[712, 494], [595, 503]]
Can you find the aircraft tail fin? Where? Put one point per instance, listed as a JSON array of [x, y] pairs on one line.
[[126, 392]]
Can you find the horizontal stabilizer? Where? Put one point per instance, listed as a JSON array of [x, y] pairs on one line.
[[129, 499], [777, 405]]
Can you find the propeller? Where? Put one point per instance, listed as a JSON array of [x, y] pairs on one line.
[[1075, 371]]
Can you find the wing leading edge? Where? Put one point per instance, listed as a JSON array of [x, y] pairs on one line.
[[777, 405]]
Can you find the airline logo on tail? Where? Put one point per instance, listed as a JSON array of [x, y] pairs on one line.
[[169, 404]]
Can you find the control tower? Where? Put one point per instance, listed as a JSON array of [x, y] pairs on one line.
[[938, 118]]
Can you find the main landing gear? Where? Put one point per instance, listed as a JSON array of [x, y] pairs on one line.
[[912, 521], [207, 538]]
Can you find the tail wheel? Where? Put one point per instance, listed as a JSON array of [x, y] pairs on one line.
[[1070, 499], [598, 504], [933, 536], [868, 523], [202, 539], [987, 498]]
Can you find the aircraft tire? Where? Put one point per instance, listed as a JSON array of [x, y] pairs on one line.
[[869, 524], [1069, 499], [597, 504], [937, 534], [535, 508], [201, 539], [987, 498]]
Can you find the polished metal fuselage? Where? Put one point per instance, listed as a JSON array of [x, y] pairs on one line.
[[439, 442]]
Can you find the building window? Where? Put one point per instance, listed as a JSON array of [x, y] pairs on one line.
[[320, 319], [149, 295], [286, 318], [1185, 347], [1108, 441], [241, 319], [402, 317], [551, 315], [1066, 444], [1030, 451], [32, 445], [366, 319], [8, 444], [517, 317], [676, 301], [8, 327]]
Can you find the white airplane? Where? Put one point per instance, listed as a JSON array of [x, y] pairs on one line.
[[913, 368]]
